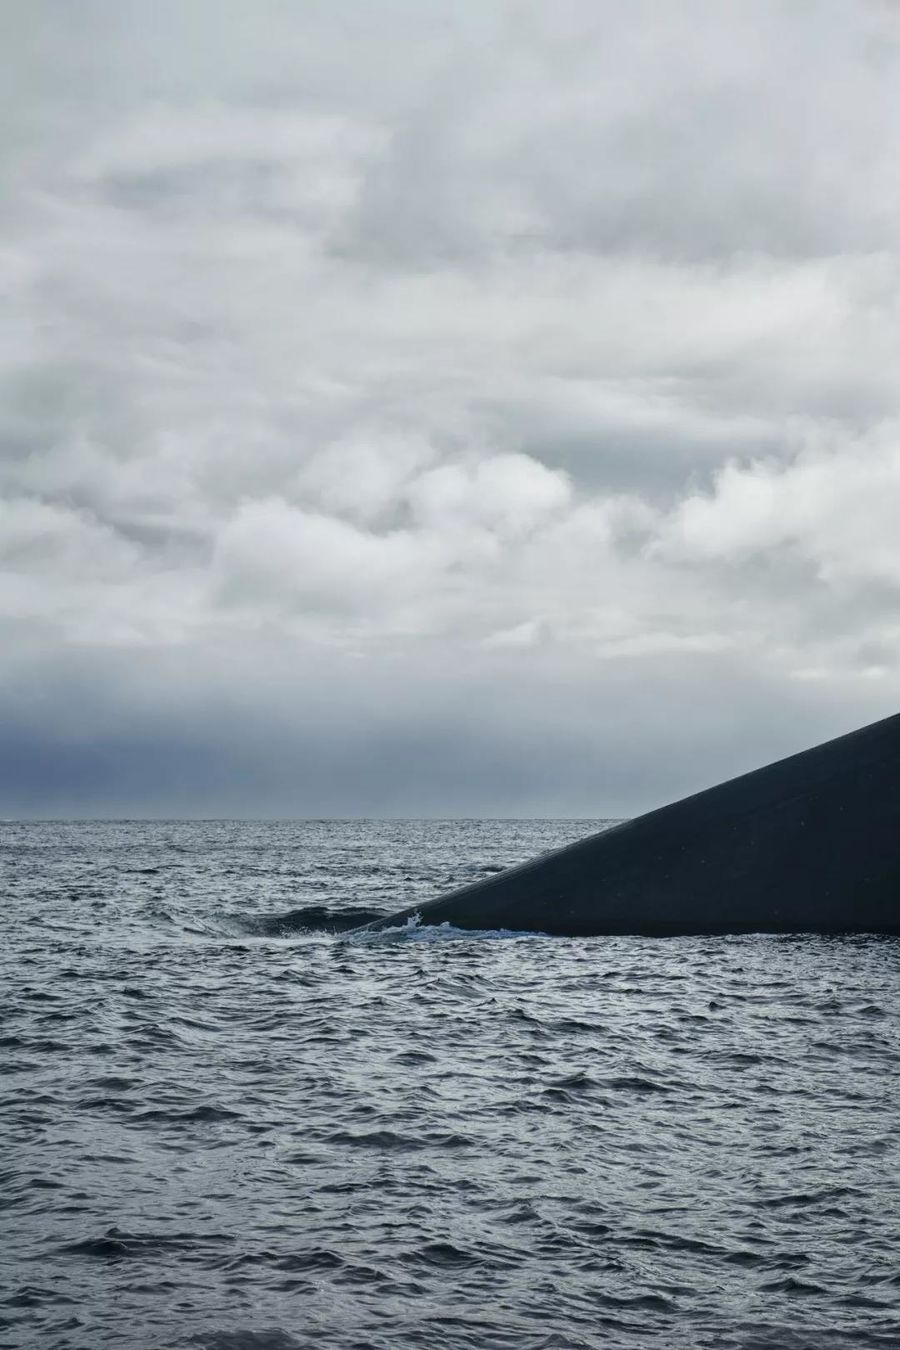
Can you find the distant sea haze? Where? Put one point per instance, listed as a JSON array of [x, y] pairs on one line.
[[228, 1124]]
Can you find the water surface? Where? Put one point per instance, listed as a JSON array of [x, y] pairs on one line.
[[224, 1127]]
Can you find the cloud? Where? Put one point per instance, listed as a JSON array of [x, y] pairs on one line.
[[518, 383], [833, 506]]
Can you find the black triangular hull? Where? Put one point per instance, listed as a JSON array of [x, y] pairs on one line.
[[810, 844]]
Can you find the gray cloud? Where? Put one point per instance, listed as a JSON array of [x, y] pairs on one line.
[[451, 408]]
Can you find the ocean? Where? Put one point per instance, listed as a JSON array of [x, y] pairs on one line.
[[225, 1126]]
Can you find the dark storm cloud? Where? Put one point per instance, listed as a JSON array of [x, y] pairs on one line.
[[116, 737], [442, 408]]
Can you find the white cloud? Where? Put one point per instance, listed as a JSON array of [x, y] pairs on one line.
[[836, 507], [271, 551], [508, 495], [364, 477]]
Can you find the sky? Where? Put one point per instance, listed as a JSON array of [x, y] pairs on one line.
[[442, 407]]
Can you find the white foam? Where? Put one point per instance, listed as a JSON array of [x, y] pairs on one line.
[[413, 930]]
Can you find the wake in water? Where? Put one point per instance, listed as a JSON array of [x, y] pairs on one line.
[[306, 919], [323, 919], [413, 930]]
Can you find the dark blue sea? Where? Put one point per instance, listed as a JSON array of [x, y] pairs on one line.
[[224, 1126]]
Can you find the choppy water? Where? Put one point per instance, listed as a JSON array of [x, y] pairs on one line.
[[220, 1129]]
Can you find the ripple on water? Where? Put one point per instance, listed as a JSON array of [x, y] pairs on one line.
[[227, 1126]]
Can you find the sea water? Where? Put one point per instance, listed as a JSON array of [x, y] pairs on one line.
[[225, 1126]]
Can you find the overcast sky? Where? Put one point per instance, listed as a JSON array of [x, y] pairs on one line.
[[420, 407]]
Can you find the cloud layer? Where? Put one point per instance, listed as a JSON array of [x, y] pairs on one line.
[[443, 408]]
